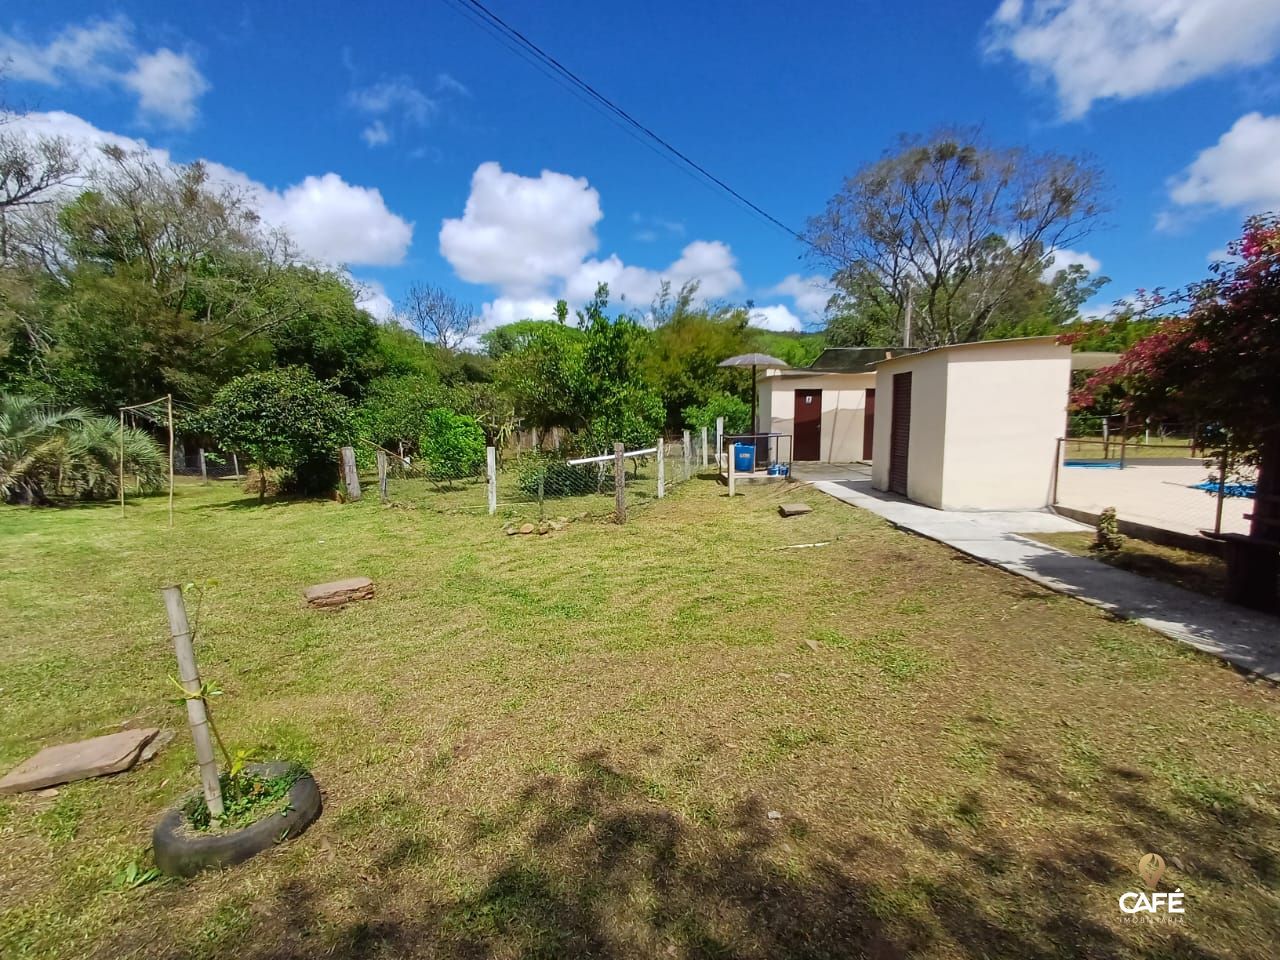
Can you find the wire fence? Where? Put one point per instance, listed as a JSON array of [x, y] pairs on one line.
[[537, 485]]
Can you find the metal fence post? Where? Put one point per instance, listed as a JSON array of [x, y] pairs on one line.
[[619, 483], [662, 468], [491, 472]]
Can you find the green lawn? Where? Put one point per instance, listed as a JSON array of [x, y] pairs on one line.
[[571, 745]]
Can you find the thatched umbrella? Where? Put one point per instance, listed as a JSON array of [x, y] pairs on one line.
[[753, 360]]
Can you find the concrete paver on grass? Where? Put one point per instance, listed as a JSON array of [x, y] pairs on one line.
[[1246, 639]]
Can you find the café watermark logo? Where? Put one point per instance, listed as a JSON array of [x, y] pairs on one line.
[[1156, 906]]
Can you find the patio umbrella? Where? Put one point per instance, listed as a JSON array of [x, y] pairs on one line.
[[753, 360]]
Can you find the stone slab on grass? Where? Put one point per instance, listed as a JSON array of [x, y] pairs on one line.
[[794, 509], [338, 592], [114, 753]]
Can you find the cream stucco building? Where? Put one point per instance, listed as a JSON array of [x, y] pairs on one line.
[[828, 408], [973, 426]]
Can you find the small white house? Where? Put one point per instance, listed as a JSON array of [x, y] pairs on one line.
[[973, 426], [828, 407]]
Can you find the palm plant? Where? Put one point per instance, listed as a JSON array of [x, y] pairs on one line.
[[47, 452], [31, 436]]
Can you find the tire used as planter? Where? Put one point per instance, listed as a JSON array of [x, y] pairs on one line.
[[183, 852]]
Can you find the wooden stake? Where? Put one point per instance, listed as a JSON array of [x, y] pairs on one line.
[[197, 711], [619, 483], [662, 468], [491, 473], [349, 475], [382, 475], [204, 469], [122, 463], [235, 465], [169, 399]]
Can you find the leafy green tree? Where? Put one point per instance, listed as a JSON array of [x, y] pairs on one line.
[[954, 224], [394, 408], [542, 374], [684, 355], [452, 445], [283, 419]]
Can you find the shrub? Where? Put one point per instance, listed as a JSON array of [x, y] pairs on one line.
[[283, 418], [735, 410], [1107, 539], [452, 445]]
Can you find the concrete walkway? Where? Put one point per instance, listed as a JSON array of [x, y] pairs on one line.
[[1246, 639]]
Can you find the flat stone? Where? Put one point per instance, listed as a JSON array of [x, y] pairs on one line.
[[158, 743], [81, 760], [338, 592], [527, 528], [794, 509]]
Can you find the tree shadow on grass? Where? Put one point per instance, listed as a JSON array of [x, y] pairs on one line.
[[589, 866]]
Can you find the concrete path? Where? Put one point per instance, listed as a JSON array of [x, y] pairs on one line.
[[1246, 639]]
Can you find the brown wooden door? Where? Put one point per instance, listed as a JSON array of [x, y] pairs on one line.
[[808, 428], [900, 433], [869, 425]]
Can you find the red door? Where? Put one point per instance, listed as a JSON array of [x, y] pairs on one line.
[[900, 433], [808, 428], [869, 425]]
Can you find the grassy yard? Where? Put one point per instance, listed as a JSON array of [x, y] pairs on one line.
[[668, 739]]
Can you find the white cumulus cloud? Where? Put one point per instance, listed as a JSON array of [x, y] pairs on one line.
[[776, 317], [1094, 50], [810, 294], [104, 53], [1063, 257], [371, 297], [521, 233], [1241, 171], [168, 85], [330, 220]]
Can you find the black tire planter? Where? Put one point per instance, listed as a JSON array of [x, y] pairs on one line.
[[182, 852]]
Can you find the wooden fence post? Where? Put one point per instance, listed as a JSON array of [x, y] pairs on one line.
[[197, 714], [619, 483], [719, 438], [491, 473], [662, 468], [204, 470], [235, 465], [349, 475], [688, 455], [704, 446], [382, 475], [729, 466]]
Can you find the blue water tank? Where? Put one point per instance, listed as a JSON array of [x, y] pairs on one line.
[[744, 458]]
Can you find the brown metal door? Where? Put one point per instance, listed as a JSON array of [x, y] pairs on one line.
[[900, 433], [808, 439], [869, 425]]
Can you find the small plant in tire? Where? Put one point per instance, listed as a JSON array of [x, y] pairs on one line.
[[241, 810]]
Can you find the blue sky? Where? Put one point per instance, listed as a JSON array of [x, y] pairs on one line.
[[412, 146]]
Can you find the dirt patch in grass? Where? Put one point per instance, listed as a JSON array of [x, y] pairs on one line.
[[1198, 572], [619, 741]]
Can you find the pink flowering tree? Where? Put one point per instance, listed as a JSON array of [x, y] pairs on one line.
[[1216, 359]]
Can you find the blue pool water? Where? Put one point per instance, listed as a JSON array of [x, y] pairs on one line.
[[1247, 490], [1093, 464]]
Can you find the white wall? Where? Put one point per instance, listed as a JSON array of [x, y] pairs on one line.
[[1006, 409], [985, 419], [844, 399]]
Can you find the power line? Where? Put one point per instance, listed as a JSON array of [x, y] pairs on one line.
[[595, 95]]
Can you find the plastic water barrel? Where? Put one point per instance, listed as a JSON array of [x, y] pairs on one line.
[[744, 457]]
